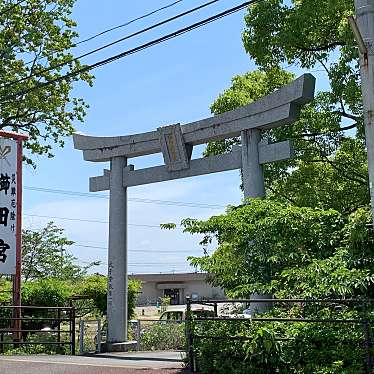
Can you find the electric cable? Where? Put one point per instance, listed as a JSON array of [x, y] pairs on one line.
[[133, 50], [88, 220], [133, 199], [62, 64], [115, 27], [128, 22], [153, 251]]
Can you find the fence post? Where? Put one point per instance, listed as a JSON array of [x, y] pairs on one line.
[[98, 336], [215, 309], [81, 337], [138, 327], [72, 331], [59, 325], [189, 334], [366, 328], [17, 335], [2, 340]]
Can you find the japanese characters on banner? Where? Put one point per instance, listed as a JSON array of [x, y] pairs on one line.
[[8, 205]]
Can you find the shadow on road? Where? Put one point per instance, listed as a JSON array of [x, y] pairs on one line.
[[137, 358]]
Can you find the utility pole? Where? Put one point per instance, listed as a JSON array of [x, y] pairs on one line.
[[363, 29]]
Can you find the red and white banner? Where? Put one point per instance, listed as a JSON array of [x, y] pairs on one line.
[[9, 201]]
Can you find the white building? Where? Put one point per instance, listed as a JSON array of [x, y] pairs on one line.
[[176, 286]]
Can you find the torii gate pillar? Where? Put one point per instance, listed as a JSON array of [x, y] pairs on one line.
[[117, 308], [253, 176]]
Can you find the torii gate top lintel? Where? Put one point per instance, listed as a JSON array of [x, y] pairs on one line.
[[277, 109]]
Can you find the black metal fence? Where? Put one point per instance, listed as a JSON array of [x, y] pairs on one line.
[[22, 326], [309, 314]]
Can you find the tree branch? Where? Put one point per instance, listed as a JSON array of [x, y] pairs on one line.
[[343, 113], [321, 133], [361, 181], [324, 66], [322, 47], [286, 197]]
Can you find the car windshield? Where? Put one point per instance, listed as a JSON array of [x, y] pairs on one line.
[[172, 316], [203, 313]]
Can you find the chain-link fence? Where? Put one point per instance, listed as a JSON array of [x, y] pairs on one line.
[[90, 336]]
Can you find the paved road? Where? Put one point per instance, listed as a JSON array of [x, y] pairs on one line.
[[114, 363]]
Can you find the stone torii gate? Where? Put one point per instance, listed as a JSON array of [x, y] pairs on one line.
[[176, 142]]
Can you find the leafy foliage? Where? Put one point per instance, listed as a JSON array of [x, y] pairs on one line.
[[291, 252], [5, 290], [46, 292], [306, 348], [35, 37], [95, 287], [327, 154], [162, 336], [310, 238], [244, 90], [272, 247], [329, 138]]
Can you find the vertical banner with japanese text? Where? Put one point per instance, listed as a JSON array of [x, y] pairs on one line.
[[8, 205]]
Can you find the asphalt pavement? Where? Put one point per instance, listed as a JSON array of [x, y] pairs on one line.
[[164, 362]]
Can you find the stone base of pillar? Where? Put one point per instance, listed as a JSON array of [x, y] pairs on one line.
[[119, 347]]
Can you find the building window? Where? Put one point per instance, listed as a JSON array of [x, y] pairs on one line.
[[173, 294]]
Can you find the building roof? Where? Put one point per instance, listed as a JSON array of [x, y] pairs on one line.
[[169, 277]]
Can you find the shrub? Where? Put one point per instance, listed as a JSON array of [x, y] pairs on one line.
[[308, 348], [162, 335]]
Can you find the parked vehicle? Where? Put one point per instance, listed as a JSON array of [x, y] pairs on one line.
[[179, 312]]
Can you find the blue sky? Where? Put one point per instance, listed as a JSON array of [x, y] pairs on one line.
[[172, 82]]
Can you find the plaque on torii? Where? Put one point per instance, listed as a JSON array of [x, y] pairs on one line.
[[176, 142]]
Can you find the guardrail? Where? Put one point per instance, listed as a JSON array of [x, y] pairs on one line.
[[20, 323], [364, 306]]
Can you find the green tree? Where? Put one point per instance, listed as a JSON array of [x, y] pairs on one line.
[[330, 167], [310, 237], [272, 247], [58, 292], [277, 33], [45, 255], [95, 287], [5, 290], [46, 292], [245, 89], [35, 36]]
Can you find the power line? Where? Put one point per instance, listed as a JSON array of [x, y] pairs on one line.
[[174, 270], [53, 67], [151, 264], [89, 220], [133, 199], [148, 251], [155, 264], [128, 22], [115, 28], [133, 50], [154, 251]]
